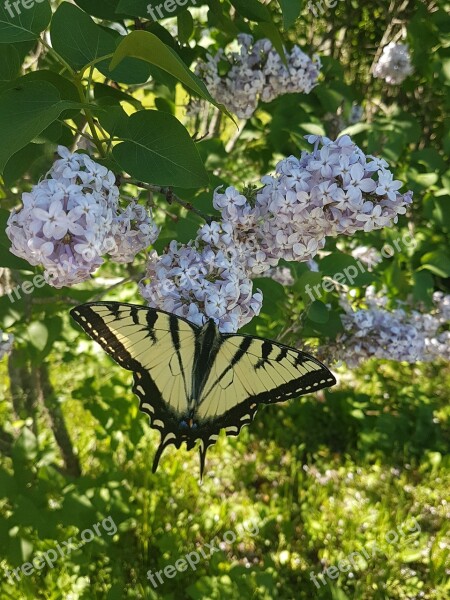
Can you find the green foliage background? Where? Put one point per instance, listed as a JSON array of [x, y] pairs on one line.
[[321, 477]]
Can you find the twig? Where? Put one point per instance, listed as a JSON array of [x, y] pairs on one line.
[[394, 21], [170, 196], [48, 398], [237, 134]]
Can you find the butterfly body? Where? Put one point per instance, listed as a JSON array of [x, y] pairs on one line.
[[194, 381]]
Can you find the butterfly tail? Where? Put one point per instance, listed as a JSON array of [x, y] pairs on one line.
[[202, 451], [163, 445]]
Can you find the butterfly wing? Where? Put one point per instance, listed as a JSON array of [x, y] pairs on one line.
[[158, 348], [249, 371]]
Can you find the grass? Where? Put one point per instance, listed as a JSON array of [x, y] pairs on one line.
[[358, 470]]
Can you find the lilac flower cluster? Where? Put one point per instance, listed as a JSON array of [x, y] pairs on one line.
[[282, 275], [72, 218], [334, 190], [6, 344], [200, 282], [370, 257], [394, 64], [400, 335], [255, 72]]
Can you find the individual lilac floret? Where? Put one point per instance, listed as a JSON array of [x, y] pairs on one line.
[[255, 72], [72, 218], [394, 64], [200, 282], [401, 335], [6, 344]]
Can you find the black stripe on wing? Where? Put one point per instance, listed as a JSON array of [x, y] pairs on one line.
[[94, 325]]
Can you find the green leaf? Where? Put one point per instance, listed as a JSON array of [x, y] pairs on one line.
[[77, 38], [115, 120], [25, 111], [148, 47], [80, 41], [345, 267], [9, 62], [423, 287], [20, 25], [291, 11], [102, 9], [156, 9], [104, 91], [157, 149], [330, 99], [318, 312], [305, 285], [438, 262], [252, 10], [66, 88], [37, 333], [20, 162], [185, 26]]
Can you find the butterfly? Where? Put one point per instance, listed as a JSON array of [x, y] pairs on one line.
[[194, 381]]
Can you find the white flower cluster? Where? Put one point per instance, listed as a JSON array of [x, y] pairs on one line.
[[334, 190], [282, 275], [399, 335], [370, 257], [200, 282], [394, 64], [72, 218], [255, 72], [6, 344]]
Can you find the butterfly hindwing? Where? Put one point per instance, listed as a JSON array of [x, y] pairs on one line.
[[261, 371], [250, 371]]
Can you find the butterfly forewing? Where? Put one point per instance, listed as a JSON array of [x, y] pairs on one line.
[[145, 340]]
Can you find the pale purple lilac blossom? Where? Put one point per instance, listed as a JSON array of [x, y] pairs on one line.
[[401, 335], [394, 64], [72, 218], [334, 190], [330, 191], [255, 72], [6, 344], [197, 281]]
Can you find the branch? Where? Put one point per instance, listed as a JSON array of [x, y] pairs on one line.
[[54, 415], [168, 193]]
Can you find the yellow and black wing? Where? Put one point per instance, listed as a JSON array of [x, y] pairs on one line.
[[157, 347], [249, 371]]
